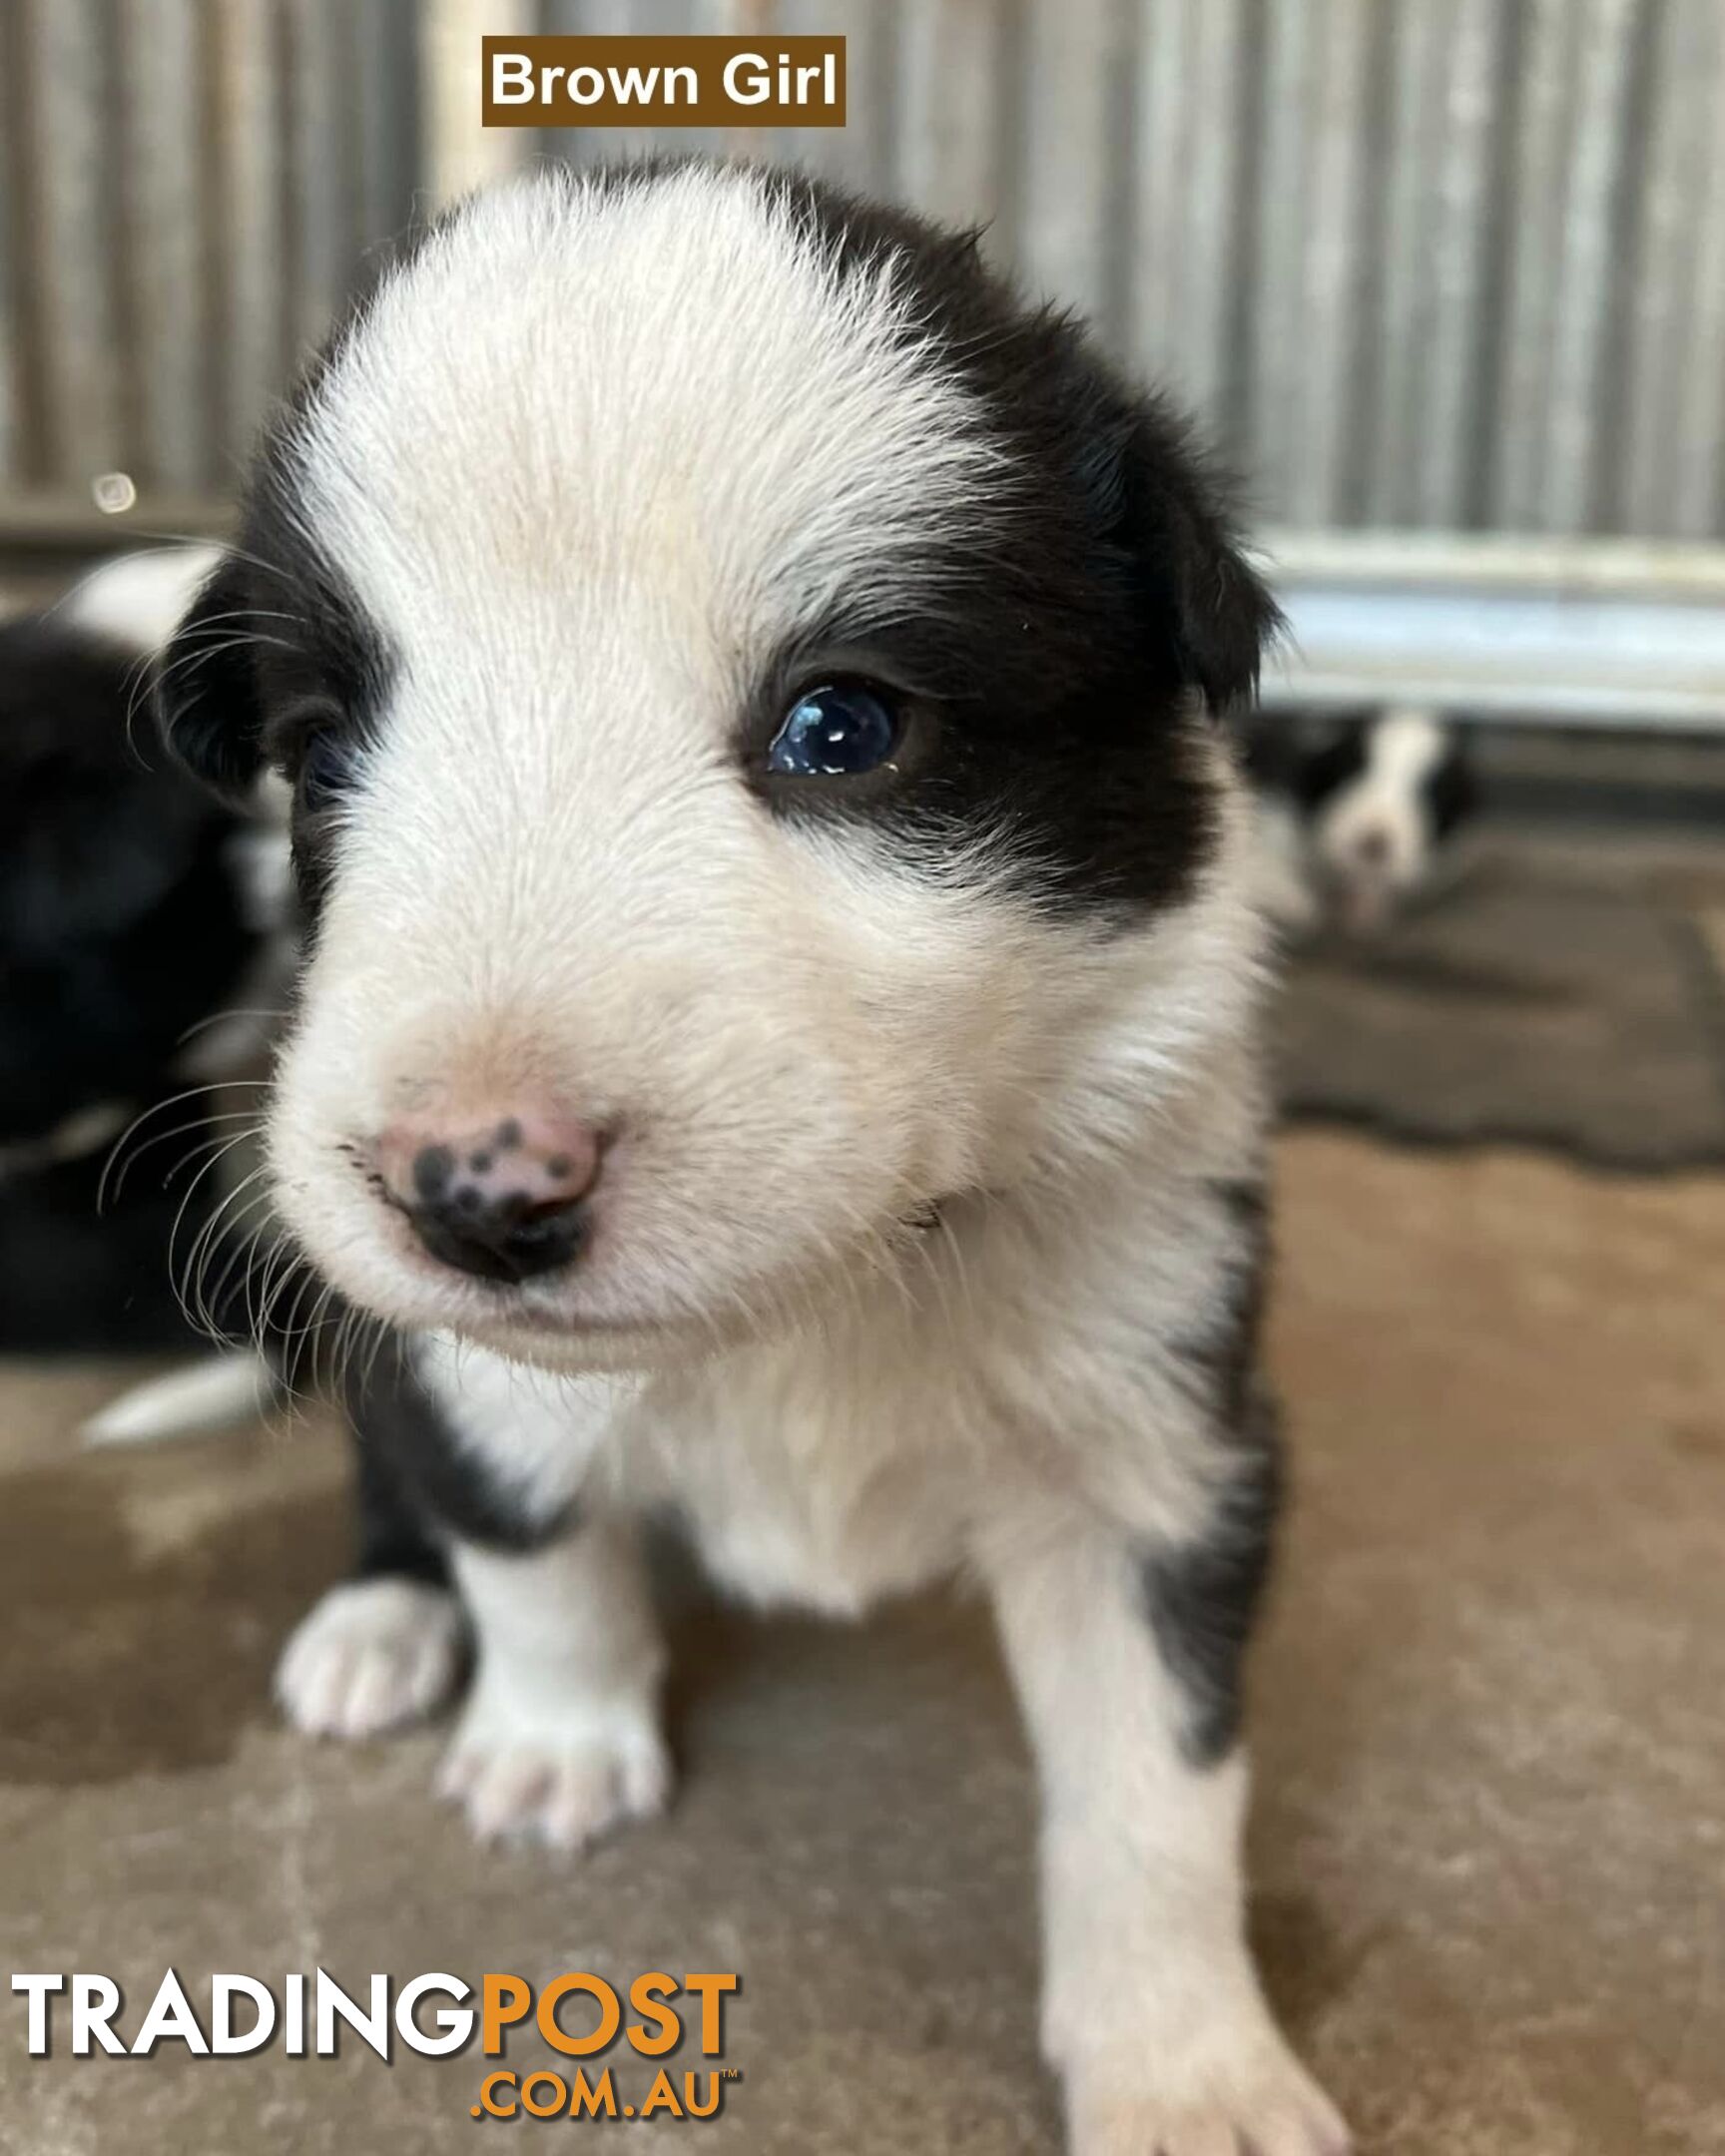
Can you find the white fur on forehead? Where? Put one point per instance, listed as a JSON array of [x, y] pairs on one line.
[[662, 380]]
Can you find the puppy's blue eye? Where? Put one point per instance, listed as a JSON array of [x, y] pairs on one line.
[[325, 771], [834, 732]]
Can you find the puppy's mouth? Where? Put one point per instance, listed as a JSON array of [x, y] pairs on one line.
[[548, 1303], [390, 1271]]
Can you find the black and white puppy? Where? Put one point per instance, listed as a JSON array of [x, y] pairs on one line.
[[1359, 826], [778, 1038]]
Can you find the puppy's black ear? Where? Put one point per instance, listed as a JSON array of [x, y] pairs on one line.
[[1178, 516], [207, 699]]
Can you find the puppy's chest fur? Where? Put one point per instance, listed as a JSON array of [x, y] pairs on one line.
[[797, 1489], [1025, 1368]]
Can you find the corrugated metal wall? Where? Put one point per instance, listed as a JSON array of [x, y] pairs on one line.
[[1437, 264], [186, 190]]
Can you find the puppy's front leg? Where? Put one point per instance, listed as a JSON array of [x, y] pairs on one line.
[[560, 1739], [560, 1736], [1152, 2009]]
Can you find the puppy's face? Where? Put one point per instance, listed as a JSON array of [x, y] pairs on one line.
[[742, 682], [1384, 798]]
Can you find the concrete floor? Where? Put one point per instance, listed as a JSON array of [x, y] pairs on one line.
[[1490, 1709]]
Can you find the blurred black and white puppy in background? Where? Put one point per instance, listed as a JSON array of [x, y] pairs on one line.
[[1357, 825], [779, 1035], [128, 922]]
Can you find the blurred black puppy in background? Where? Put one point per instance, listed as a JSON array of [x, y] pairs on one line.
[[129, 917]]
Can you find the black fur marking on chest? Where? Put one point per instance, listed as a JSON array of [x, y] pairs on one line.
[[420, 1486]]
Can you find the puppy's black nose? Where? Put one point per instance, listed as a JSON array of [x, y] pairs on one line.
[[506, 1239], [504, 1203]]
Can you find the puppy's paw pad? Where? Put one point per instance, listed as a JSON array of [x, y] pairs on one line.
[[560, 1787], [1276, 2110], [371, 1656]]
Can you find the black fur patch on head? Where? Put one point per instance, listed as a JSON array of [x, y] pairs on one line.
[[277, 647], [1063, 640], [1448, 795], [1325, 771], [1453, 794], [1202, 1596], [420, 1485], [1059, 646], [275, 653]]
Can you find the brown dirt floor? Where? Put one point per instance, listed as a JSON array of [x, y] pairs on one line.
[[1489, 1840]]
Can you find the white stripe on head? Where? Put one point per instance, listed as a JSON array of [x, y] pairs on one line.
[[1404, 747], [1373, 838]]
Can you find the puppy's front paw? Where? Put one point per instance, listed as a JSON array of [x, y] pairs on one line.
[[561, 1774], [1259, 2101], [373, 1654]]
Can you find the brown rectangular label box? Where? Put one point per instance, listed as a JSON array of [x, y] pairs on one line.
[[723, 82]]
